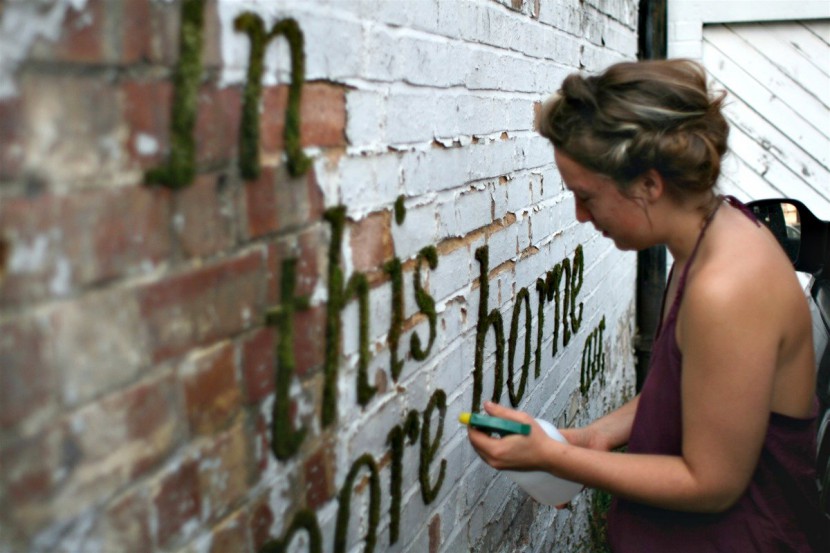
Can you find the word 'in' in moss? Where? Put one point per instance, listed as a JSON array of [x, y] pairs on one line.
[[252, 25], [181, 165], [180, 168]]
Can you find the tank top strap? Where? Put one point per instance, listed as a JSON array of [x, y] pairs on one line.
[[740, 206], [681, 283]]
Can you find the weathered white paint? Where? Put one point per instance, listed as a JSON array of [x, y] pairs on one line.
[[778, 108], [773, 60], [686, 18]]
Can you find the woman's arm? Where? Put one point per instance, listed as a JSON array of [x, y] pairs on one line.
[[606, 433], [729, 358]]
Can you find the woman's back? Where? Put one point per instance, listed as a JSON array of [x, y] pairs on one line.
[[741, 260], [778, 508]]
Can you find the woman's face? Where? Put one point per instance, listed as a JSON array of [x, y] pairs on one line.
[[599, 201]]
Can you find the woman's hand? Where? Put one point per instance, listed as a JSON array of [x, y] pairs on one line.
[[588, 437], [514, 452]]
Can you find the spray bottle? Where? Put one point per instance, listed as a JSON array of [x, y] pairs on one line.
[[541, 486]]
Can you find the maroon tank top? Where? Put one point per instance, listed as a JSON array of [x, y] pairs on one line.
[[778, 511]]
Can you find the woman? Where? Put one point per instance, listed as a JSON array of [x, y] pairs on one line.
[[721, 441]]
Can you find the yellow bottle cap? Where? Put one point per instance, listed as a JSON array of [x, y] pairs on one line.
[[464, 418]]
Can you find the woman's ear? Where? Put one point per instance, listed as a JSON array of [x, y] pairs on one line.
[[652, 185]]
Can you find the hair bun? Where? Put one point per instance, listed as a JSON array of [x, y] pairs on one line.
[[639, 116]]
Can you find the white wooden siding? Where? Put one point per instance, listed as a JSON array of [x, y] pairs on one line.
[[777, 77]]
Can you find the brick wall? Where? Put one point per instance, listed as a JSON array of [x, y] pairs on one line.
[[246, 355]]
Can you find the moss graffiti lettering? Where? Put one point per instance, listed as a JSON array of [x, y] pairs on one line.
[[522, 299], [593, 358], [549, 288], [486, 320], [303, 520], [429, 447], [285, 441], [181, 165], [180, 169], [395, 440], [344, 502], [425, 302], [253, 26]]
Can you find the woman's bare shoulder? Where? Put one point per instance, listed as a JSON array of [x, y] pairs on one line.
[[743, 265]]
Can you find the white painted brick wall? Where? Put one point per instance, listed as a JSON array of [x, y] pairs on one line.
[[440, 105]]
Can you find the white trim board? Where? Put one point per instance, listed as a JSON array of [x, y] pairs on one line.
[[686, 18]]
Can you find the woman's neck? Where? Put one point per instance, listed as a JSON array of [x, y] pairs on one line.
[[684, 223]]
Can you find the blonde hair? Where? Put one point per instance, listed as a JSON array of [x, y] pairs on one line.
[[637, 116]]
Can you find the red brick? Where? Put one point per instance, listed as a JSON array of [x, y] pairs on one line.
[[211, 392], [204, 305], [276, 202], [97, 343], [309, 339], [212, 37], [63, 243], [29, 383], [119, 439], [276, 253], [318, 482], [125, 523], [309, 248], [150, 418], [260, 523], [166, 26], [177, 501], [100, 448], [217, 124], [4, 257], [130, 228], [224, 471], [73, 126], [137, 31], [201, 218], [31, 466], [231, 535], [258, 363], [261, 204], [83, 37], [11, 137], [371, 241], [435, 534], [322, 117], [146, 113]]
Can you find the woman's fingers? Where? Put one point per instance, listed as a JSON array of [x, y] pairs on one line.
[[497, 410]]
